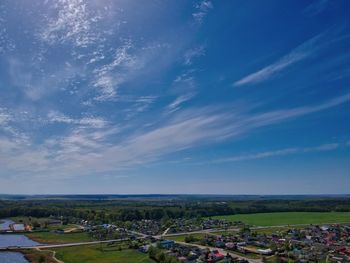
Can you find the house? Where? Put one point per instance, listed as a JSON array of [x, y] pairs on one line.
[[59, 231], [220, 244], [167, 244], [264, 251], [144, 249], [230, 245], [18, 227], [215, 256]]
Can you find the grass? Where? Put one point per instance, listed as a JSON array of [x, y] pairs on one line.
[[92, 254], [38, 256], [224, 232], [54, 238], [289, 218], [181, 238], [275, 230]]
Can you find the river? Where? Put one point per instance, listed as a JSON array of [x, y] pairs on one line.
[[7, 240], [12, 257]]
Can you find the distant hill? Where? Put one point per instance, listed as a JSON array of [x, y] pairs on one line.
[[163, 197]]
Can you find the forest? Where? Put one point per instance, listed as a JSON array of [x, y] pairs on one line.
[[128, 210]]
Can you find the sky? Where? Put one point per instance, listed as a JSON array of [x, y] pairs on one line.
[[201, 97]]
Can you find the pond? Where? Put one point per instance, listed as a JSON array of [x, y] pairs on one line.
[[12, 257]]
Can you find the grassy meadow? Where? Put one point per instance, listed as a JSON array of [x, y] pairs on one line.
[[96, 253], [54, 238], [181, 238]]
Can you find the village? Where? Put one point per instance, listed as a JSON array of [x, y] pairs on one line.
[[213, 240], [328, 243]]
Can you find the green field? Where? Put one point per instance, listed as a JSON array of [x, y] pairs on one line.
[[92, 254], [181, 238], [289, 218], [54, 238]]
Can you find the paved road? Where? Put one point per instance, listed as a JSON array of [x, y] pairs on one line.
[[67, 244], [166, 231], [204, 231]]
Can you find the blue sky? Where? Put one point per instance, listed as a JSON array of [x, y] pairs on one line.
[[218, 97]]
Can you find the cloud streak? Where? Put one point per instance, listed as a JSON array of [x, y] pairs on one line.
[[90, 150], [277, 153], [316, 7], [175, 105], [298, 54]]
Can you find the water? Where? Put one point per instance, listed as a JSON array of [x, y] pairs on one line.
[[5, 224], [7, 240], [12, 257]]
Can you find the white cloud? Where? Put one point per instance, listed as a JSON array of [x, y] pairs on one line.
[[281, 152], [202, 9], [36, 83], [74, 22], [89, 149], [316, 7], [109, 76], [193, 53], [4, 116], [92, 122], [298, 54], [175, 105], [6, 43], [194, 127], [128, 63]]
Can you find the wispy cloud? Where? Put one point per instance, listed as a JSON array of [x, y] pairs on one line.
[[36, 83], [6, 43], [4, 116], [74, 22], [194, 127], [298, 54], [202, 9], [175, 105], [94, 122], [316, 7], [280, 152], [193, 53], [109, 76], [89, 150]]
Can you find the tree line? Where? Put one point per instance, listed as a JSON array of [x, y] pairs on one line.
[[112, 211]]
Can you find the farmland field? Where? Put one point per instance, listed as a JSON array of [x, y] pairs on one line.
[[289, 218], [89, 254]]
